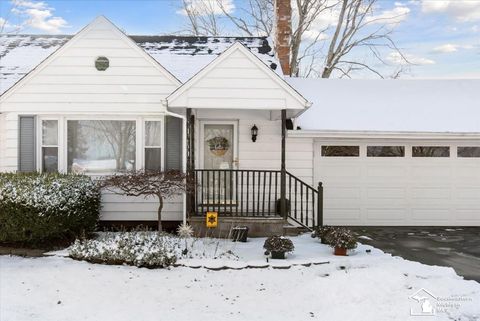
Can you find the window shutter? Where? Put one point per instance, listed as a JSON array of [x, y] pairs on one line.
[[173, 143], [26, 144]]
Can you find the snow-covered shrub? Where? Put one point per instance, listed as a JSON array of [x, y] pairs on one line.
[[36, 209], [322, 232], [278, 244], [341, 237], [142, 249], [148, 249]]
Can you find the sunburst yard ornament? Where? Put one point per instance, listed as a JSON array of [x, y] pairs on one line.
[[218, 145], [212, 219]]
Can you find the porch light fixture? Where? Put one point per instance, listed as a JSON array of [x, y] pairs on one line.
[[254, 131]]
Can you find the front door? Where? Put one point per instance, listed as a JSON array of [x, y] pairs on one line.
[[218, 155], [218, 144]]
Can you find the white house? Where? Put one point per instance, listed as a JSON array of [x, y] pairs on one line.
[[387, 152]]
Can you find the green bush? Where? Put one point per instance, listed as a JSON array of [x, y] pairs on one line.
[[37, 209]]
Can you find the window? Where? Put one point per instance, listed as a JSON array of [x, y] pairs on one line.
[[49, 146], [385, 151], [340, 151], [431, 151], [101, 146], [153, 145], [473, 152]]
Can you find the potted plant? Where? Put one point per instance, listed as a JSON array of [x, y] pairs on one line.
[[277, 246], [322, 233], [218, 145], [341, 239]]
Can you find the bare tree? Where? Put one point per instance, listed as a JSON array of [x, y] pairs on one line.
[[329, 52], [162, 185], [203, 18], [354, 30]]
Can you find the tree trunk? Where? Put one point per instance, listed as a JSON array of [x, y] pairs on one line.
[[160, 207]]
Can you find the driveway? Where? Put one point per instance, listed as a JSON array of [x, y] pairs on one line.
[[458, 248]]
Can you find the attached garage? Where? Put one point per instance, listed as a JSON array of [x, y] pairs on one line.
[[399, 183], [395, 152]]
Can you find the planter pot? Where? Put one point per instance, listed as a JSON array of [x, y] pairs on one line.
[[278, 255], [240, 233], [340, 251]]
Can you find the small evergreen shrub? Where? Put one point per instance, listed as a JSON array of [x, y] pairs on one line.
[[278, 244], [341, 237], [39, 209]]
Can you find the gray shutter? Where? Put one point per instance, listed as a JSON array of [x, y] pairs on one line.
[[26, 144], [173, 143]]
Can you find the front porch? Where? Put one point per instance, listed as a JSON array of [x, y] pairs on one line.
[[265, 200]]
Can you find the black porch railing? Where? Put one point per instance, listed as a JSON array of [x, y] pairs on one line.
[[255, 193]]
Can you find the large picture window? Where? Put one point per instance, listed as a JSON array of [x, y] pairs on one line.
[[49, 146], [101, 146]]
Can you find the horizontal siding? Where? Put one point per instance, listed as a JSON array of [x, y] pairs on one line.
[[71, 82], [3, 142], [118, 207], [236, 82], [9, 136]]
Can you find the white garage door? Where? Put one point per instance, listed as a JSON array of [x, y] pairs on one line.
[[399, 184]]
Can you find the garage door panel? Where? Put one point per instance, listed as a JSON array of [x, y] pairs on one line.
[[340, 172], [430, 193], [469, 214], [431, 172], [386, 214], [383, 171], [343, 215], [465, 193], [470, 173], [385, 192], [431, 214]]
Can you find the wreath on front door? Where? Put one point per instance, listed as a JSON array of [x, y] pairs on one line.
[[218, 145]]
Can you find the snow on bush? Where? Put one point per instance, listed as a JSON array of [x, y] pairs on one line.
[[148, 249], [37, 208]]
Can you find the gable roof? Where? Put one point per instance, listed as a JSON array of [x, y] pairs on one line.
[[183, 56], [99, 23], [435, 106], [302, 103]]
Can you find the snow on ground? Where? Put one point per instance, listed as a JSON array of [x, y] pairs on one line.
[[363, 286]]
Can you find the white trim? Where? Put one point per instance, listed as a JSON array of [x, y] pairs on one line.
[[240, 47], [72, 41], [334, 134], [201, 138]]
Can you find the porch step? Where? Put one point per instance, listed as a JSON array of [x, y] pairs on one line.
[[290, 230]]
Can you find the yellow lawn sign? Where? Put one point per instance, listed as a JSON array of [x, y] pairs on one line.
[[212, 219]]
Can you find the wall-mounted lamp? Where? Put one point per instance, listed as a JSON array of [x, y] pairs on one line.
[[254, 131]]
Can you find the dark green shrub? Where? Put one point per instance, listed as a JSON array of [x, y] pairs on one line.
[[37, 209]]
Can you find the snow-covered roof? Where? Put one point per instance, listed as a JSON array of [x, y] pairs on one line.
[[390, 105], [183, 56]]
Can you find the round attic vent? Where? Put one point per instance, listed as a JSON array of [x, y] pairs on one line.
[[102, 63]]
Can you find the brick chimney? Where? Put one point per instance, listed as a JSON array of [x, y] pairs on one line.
[[283, 33]]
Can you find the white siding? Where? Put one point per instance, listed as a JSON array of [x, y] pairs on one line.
[[69, 84], [3, 142], [265, 153], [236, 81]]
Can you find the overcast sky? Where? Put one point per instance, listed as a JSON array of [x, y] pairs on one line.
[[440, 37]]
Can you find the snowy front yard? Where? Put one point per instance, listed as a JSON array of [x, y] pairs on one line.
[[363, 286]]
